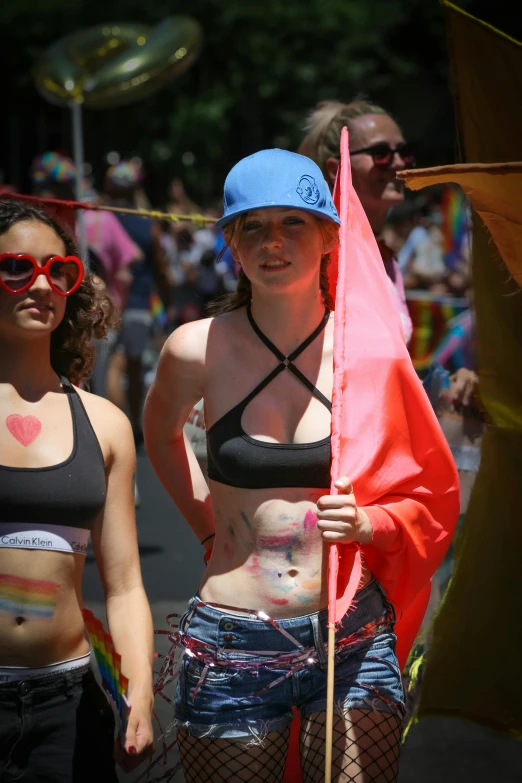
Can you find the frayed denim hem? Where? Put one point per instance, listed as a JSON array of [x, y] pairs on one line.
[[249, 733], [374, 702]]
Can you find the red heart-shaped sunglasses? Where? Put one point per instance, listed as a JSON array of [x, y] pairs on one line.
[[18, 271]]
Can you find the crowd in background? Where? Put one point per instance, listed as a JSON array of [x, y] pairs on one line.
[[163, 273], [160, 274], [433, 246]]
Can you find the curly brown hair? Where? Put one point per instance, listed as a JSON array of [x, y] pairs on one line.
[[89, 311], [243, 293]]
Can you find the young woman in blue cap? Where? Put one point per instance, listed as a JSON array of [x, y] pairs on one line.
[[254, 635]]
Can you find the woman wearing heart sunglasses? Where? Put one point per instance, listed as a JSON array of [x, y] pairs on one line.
[[19, 271], [377, 150], [67, 461]]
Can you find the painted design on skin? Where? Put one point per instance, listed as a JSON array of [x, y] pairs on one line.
[[24, 428], [309, 521], [309, 525], [245, 520], [32, 598], [311, 584], [312, 587], [294, 521], [287, 540], [228, 546], [286, 588], [278, 542], [256, 569]]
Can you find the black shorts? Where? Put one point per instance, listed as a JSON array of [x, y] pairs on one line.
[[57, 728]]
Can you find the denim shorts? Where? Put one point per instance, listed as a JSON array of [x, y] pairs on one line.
[[56, 728], [226, 702]]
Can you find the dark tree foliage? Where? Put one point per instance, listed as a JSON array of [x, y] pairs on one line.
[[263, 66]]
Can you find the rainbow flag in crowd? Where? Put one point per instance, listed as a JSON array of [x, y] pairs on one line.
[[430, 314], [158, 310], [114, 681], [453, 350], [454, 225]]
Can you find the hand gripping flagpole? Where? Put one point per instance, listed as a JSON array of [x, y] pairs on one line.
[[350, 552]]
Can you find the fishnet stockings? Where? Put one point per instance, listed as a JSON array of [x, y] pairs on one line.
[[207, 759], [366, 747]]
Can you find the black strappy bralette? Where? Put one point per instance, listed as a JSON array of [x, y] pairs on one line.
[[56, 507], [236, 459]]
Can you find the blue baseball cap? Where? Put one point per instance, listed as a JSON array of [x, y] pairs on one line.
[[277, 178]]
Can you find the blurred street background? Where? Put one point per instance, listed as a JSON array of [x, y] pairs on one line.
[[255, 73]]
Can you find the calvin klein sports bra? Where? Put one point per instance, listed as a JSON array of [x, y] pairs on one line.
[[236, 459], [55, 507]]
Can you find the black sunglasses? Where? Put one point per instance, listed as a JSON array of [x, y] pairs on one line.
[[383, 154]]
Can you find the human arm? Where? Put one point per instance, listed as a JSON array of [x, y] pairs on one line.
[[342, 521], [124, 253], [159, 267], [178, 386], [397, 282], [116, 550]]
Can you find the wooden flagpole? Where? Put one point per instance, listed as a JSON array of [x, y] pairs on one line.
[[329, 704]]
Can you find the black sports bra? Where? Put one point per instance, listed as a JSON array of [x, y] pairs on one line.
[[236, 459], [55, 507]]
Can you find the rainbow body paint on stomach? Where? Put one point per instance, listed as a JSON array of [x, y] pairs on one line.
[[114, 681], [31, 598]]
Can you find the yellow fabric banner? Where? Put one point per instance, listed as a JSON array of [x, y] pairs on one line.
[[495, 192], [474, 660], [487, 84]]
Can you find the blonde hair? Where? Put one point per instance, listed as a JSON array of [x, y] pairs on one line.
[[243, 293], [324, 124]]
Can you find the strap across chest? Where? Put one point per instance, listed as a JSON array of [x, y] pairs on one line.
[[287, 362]]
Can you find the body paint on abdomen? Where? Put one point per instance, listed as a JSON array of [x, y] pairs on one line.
[[34, 598]]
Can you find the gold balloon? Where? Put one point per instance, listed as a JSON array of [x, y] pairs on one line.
[[116, 64]]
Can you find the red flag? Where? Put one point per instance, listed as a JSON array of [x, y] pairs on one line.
[[385, 436]]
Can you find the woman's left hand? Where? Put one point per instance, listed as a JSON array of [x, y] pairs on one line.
[[464, 386], [139, 739], [339, 519]]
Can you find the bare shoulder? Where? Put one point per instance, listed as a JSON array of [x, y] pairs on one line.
[[227, 331], [188, 342], [196, 347], [190, 358], [111, 425]]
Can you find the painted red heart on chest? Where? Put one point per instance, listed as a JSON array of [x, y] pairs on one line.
[[24, 428]]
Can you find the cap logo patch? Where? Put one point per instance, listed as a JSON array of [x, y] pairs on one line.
[[308, 190]]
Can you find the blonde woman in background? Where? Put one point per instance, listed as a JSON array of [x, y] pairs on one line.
[[377, 150]]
